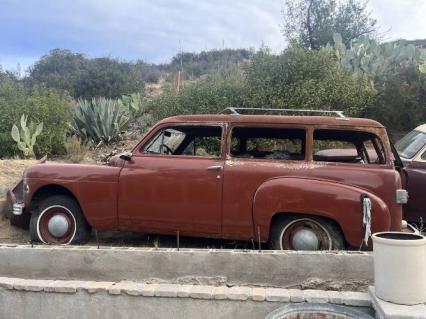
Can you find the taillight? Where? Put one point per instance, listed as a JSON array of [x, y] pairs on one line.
[[401, 196]]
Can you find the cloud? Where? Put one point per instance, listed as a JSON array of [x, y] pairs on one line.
[[400, 18], [149, 30], [156, 30]]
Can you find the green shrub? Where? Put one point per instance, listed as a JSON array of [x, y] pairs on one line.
[[136, 106], [208, 95], [401, 102], [42, 105], [297, 78], [76, 150], [306, 79]]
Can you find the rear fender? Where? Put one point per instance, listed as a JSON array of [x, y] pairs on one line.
[[336, 201]]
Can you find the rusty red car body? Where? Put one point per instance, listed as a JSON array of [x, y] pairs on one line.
[[227, 196]]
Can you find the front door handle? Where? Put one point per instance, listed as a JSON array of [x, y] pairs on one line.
[[215, 168]]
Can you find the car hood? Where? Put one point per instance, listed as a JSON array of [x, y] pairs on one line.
[[61, 171]]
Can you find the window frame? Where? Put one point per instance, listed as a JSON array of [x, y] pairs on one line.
[[137, 151], [421, 154], [377, 142], [267, 126]]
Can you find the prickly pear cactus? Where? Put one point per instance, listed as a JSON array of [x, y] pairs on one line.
[[27, 136], [367, 56]]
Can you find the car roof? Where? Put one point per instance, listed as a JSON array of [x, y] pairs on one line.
[[421, 128], [275, 119]]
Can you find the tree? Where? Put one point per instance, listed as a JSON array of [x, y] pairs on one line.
[[60, 69], [312, 23], [84, 77], [108, 78], [401, 101]]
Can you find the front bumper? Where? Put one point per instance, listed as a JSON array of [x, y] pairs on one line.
[[16, 208]]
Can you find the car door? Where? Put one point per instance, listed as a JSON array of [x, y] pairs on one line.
[[173, 182], [415, 209]]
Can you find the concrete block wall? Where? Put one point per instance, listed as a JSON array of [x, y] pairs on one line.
[[233, 267], [48, 299], [86, 282]]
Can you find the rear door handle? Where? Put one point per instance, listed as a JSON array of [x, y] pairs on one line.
[[215, 168]]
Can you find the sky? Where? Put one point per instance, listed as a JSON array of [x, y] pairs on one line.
[[155, 30]]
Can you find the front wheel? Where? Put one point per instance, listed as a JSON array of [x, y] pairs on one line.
[[59, 220], [305, 233]]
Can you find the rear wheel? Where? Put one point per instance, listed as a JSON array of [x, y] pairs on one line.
[[305, 233], [59, 220]]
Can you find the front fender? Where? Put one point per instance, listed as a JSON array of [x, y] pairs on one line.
[[333, 200], [94, 187]]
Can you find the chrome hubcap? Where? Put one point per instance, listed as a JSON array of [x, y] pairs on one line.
[[305, 239], [58, 226]]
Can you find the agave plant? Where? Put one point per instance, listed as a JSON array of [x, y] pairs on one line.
[[99, 121], [26, 137]]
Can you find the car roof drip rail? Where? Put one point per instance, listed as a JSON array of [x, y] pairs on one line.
[[259, 110]]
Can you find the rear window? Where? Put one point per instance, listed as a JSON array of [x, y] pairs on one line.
[[347, 147], [268, 143]]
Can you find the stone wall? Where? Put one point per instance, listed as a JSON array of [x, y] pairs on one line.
[[55, 299], [233, 267]]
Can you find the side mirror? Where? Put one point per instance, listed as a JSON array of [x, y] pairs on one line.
[[127, 156]]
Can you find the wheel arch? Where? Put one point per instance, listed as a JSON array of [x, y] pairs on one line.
[[48, 190], [335, 201]]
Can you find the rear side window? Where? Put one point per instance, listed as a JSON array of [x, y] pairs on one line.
[[268, 143], [347, 147]]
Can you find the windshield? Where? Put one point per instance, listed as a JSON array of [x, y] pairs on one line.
[[411, 143]]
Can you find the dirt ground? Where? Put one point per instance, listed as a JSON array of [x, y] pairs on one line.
[[10, 172]]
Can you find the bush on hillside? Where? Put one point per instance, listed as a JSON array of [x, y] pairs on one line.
[[298, 78], [84, 77], [208, 95], [42, 105], [305, 79]]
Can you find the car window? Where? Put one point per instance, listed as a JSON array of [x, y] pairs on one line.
[[424, 156], [268, 143], [167, 139], [411, 144], [347, 147], [189, 140]]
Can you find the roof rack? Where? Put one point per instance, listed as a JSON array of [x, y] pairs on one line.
[[235, 111]]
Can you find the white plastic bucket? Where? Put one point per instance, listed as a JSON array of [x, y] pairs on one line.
[[400, 267]]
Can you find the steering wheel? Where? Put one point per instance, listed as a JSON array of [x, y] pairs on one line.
[[168, 149]]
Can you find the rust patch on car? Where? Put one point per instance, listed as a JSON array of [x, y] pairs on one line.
[[274, 164]]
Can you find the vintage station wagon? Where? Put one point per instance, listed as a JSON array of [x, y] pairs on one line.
[[295, 182]]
